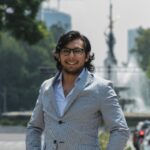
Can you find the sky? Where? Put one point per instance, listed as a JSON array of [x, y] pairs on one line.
[[90, 17]]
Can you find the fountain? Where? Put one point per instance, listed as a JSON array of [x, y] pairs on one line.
[[138, 85], [131, 83]]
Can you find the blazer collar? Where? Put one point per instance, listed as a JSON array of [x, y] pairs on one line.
[[49, 91], [87, 78]]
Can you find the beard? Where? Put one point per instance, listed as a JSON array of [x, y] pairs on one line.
[[72, 71]]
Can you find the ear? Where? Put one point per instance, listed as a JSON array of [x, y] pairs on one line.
[[57, 56], [87, 57]]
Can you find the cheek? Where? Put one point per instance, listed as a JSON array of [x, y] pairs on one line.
[[83, 61], [61, 59]]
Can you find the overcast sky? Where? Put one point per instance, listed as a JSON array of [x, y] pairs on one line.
[[90, 17]]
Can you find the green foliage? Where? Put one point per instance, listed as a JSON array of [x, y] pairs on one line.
[[19, 18], [148, 68], [12, 66], [104, 139], [13, 122], [57, 30], [143, 49], [19, 69]]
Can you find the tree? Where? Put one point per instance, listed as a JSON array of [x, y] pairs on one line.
[[57, 30], [143, 49], [19, 17], [12, 69], [20, 70]]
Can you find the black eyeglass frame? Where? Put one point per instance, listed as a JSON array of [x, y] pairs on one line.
[[76, 51]]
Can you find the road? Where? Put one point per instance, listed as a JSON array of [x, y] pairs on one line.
[[12, 138], [12, 141]]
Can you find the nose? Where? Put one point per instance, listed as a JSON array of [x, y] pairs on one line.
[[71, 54]]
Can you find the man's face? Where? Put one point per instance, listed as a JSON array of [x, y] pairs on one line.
[[72, 57]]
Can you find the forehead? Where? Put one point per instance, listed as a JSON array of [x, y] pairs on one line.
[[77, 43]]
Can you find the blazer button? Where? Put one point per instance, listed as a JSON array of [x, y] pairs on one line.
[[60, 121], [54, 141]]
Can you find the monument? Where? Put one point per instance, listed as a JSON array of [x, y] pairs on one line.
[[110, 63]]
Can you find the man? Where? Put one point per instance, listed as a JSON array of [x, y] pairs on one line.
[[71, 106]]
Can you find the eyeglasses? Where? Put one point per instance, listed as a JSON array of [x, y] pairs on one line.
[[76, 51]]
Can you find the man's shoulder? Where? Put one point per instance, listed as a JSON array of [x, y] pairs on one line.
[[48, 82]]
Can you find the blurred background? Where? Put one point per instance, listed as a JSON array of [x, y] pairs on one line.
[[120, 37]]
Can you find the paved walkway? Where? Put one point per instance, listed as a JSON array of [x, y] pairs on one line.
[[12, 141], [12, 138]]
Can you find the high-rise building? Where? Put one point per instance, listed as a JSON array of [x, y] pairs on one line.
[[55, 17], [132, 35]]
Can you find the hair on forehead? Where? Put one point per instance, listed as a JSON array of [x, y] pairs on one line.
[[70, 36]]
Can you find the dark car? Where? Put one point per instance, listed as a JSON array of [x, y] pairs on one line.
[[139, 133], [146, 141]]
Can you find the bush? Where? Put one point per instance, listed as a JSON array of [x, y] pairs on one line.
[[13, 122], [103, 140]]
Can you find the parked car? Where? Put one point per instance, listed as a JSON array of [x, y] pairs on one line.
[[139, 133], [145, 145]]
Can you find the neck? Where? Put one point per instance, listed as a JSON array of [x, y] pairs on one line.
[[68, 82], [69, 78]]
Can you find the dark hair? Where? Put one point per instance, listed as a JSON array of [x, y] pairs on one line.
[[68, 37]]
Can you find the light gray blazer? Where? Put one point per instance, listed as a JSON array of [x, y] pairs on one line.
[[92, 101]]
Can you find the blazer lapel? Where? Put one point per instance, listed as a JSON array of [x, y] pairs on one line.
[[84, 81], [53, 100], [51, 96]]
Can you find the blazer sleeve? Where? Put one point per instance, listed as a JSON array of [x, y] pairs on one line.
[[35, 126], [114, 119]]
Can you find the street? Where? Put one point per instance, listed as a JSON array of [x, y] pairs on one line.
[[12, 138], [12, 141]]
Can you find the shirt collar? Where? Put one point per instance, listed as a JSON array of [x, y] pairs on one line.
[[59, 78], [81, 74]]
